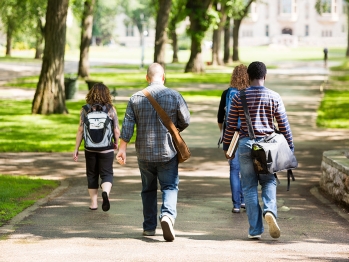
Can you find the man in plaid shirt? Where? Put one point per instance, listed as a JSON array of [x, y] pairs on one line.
[[157, 156]]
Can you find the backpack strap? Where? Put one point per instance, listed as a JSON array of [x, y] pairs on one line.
[[247, 114]]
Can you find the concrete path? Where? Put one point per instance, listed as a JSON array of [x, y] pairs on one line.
[[62, 228]]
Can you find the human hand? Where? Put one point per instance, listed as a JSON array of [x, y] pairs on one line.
[[227, 156], [121, 157], [76, 156]]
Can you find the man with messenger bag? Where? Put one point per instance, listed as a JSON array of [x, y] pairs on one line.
[[263, 105], [160, 114]]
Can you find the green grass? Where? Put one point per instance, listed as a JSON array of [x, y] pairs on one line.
[[333, 111], [20, 131], [19, 192]]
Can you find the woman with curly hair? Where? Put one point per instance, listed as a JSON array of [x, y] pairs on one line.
[[238, 81], [99, 161]]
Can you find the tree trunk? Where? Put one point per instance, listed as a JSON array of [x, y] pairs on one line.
[[216, 39], [86, 36], [198, 15], [174, 46], [161, 35], [237, 23], [49, 97], [195, 63], [226, 57], [8, 40], [39, 39], [347, 53]]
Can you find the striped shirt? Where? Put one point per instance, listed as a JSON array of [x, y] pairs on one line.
[[153, 140], [264, 105]]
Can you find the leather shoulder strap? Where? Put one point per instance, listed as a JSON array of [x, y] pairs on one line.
[[247, 114], [161, 112]]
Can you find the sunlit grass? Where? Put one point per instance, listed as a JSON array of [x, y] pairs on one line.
[[19, 192], [333, 111], [20, 131]]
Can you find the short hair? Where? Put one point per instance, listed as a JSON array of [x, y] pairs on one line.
[[99, 94], [155, 70], [256, 70], [239, 77]]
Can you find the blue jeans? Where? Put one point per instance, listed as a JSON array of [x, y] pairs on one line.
[[235, 185], [167, 174], [249, 180]]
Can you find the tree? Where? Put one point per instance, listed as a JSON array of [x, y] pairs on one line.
[[103, 21], [139, 13], [200, 20], [160, 34], [323, 6], [226, 57], [86, 36], [221, 8], [36, 24], [178, 14], [240, 11], [49, 97], [12, 15]]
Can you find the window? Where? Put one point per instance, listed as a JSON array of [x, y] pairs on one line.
[[267, 30], [286, 7], [129, 30], [326, 33], [306, 30], [326, 6]]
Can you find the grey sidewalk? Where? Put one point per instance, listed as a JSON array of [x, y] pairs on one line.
[[63, 229]]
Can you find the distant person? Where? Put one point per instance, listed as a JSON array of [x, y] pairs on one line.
[[238, 81], [99, 158], [157, 156], [264, 105], [325, 56]]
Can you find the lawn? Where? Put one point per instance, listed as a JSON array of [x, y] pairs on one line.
[[333, 111], [19, 192], [23, 132]]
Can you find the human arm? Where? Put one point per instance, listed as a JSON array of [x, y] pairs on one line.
[[221, 110], [232, 123], [116, 130], [283, 124], [183, 114], [121, 155], [79, 136]]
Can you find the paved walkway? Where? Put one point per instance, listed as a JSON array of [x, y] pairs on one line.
[[62, 228]]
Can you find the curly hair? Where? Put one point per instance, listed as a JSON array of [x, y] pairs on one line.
[[256, 70], [99, 94], [239, 77]]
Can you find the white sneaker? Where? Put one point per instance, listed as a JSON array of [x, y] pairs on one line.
[[274, 229], [167, 228], [255, 237]]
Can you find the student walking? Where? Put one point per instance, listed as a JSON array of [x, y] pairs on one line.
[[99, 156], [238, 81], [156, 154], [264, 105]]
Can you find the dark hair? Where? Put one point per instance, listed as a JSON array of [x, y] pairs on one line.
[[256, 70]]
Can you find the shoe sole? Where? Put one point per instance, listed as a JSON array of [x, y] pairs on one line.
[[274, 229], [254, 237], [167, 229], [105, 204]]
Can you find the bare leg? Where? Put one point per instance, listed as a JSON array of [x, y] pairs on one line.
[[106, 187], [93, 195]]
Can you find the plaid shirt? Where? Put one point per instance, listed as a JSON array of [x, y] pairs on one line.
[[153, 140]]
